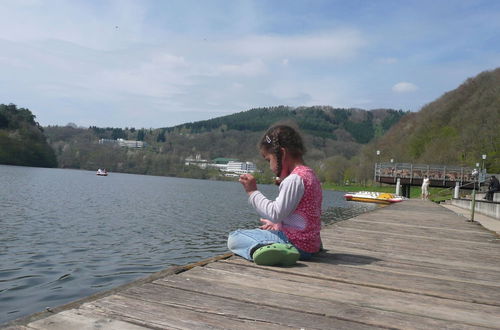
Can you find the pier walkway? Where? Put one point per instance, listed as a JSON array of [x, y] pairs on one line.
[[411, 265]]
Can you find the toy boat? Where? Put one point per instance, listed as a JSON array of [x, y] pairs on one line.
[[373, 197]]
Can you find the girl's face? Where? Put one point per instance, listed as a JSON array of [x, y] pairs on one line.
[[271, 159]]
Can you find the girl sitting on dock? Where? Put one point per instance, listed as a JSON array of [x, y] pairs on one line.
[[291, 223]]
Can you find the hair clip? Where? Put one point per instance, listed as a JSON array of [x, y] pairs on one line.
[[268, 139]]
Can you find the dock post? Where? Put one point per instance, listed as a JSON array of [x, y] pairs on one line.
[[398, 187], [457, 190], [473, 204]]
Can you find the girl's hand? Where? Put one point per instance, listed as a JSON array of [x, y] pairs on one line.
[[268, 225], [248, 182]]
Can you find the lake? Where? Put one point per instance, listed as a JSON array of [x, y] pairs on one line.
[[66, 234]]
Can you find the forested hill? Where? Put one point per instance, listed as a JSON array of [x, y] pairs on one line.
[[457, 128], [22, 141], [331, 135], [356, 125]]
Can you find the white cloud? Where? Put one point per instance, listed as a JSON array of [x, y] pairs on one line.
[[404, 87], [250, 68], [339, 44]]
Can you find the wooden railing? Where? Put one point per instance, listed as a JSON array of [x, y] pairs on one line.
[[439, 175]]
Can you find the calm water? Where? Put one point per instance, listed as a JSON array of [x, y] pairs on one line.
[[66, 234]]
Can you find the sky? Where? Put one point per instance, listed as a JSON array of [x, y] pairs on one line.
[[152, 64]]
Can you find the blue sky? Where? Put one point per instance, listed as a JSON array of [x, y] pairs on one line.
[[161, 63]]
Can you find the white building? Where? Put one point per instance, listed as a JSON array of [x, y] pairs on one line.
[[124, 143], [241, 167], [231, 167], [197, 161]]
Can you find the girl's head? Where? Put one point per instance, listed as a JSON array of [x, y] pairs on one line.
[[281, 142]]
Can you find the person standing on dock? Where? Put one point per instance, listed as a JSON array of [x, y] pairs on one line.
[[425, 188], [290, 224]]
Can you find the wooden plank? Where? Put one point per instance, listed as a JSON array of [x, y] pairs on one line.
[[426, 214], [409, 264], [235, 307], [159, 315], [488, 252], [454, 226], [476, 239], [437, 254], [452, 231], [402, 302], [448, 289], [347, 257], [81, 320], [263, 291]]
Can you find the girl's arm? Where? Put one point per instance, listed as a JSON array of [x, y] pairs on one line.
[[291, 192]]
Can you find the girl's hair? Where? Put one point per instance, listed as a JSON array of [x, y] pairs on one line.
[[282, 136]]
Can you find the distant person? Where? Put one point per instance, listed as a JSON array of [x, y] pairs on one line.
[[425, 188], [291, 224], [493, 187]]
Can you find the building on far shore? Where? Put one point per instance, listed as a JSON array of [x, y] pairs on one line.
[[124, 143], [197, 161], [229, 166], [240, 167]]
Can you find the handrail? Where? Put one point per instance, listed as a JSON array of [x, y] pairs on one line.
[[442, 173]]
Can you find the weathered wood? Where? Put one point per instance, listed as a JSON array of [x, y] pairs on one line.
[[349, 257], [82, 320], [462, 249], [479, 238], [425, 285], [413, 265], [380, 298], [264, 293], [236, 306], [159, 315]]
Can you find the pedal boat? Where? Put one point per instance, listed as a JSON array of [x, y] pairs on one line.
[[373, 197]]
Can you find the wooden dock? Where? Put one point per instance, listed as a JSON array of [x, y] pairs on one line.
[[412, 265]]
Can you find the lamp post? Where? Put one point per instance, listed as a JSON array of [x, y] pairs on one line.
[[378, 166], [478, 177], [484, 158], [475, 173]]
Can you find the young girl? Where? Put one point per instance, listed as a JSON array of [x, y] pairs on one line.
[[291, 223]]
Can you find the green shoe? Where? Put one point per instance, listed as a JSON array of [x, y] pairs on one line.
[[277, 254]]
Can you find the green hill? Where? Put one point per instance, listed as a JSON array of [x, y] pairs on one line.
[[328, 132], [22, 141], [455, 129], [356, 125]]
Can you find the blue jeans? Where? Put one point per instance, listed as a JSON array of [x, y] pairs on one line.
[[243, 242]]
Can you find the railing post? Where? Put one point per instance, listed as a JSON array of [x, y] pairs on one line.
[[456, 195], [444, 176], [398, 186]]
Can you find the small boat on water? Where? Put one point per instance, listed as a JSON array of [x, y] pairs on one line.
[[102, 172], [374, 197]]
